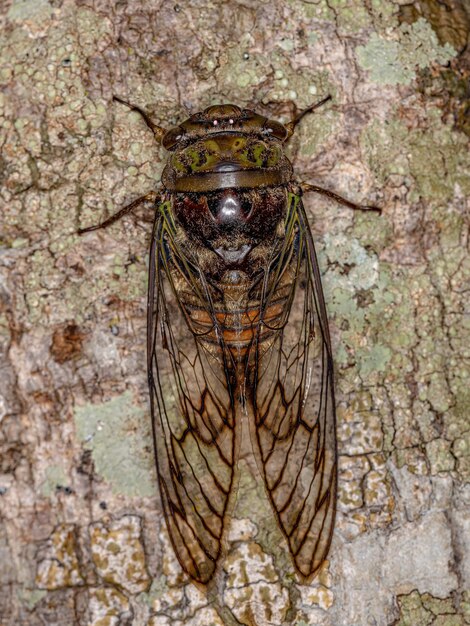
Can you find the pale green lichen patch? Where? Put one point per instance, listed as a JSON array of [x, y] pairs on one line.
[[461, 452], [59, 566], [373, 359], [30, 9], [118, 553], [440, 456], [303, 88], [425, 610], [395, 61], [239, 71], [118, 435], [465, 605], [317, 129], [243, 73], [351, 16], [30, 597], [415, 313], [56, 171], [359, 297], [56, 476], [436, 161], [351, 268]]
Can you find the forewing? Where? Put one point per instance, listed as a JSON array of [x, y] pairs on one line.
[[192, 407], [294, 400]]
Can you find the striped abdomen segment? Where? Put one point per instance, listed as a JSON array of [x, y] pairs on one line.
[[238, 328]]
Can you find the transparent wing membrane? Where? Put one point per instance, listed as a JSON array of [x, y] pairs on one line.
[[278, 365], [193, 413], [294, 402]]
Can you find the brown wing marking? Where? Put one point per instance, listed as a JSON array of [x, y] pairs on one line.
[[192, 407], [294, 402]]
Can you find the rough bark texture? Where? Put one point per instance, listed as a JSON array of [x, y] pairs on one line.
[[81, 536]]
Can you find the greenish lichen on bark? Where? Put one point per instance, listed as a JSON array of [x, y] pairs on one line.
[[424, 610], [118, 434], [393, 62]]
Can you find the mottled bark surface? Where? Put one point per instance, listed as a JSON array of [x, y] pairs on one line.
[[81, 536]]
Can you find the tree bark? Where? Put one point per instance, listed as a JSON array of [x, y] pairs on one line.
[[82, 539]]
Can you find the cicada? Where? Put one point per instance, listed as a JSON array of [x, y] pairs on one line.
[[239, 352]]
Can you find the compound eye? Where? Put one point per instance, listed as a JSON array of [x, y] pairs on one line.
[[275, 129], [172, 137]]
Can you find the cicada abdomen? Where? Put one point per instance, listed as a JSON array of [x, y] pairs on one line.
[[237, 326]]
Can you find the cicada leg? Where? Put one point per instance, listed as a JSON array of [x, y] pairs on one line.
[[158, 131], [307, 187], [293, 123], [149, 197]]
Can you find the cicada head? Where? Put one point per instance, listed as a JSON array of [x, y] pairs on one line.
[[224, 147]]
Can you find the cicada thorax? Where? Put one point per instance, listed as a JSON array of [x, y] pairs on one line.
[[233, 237]]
